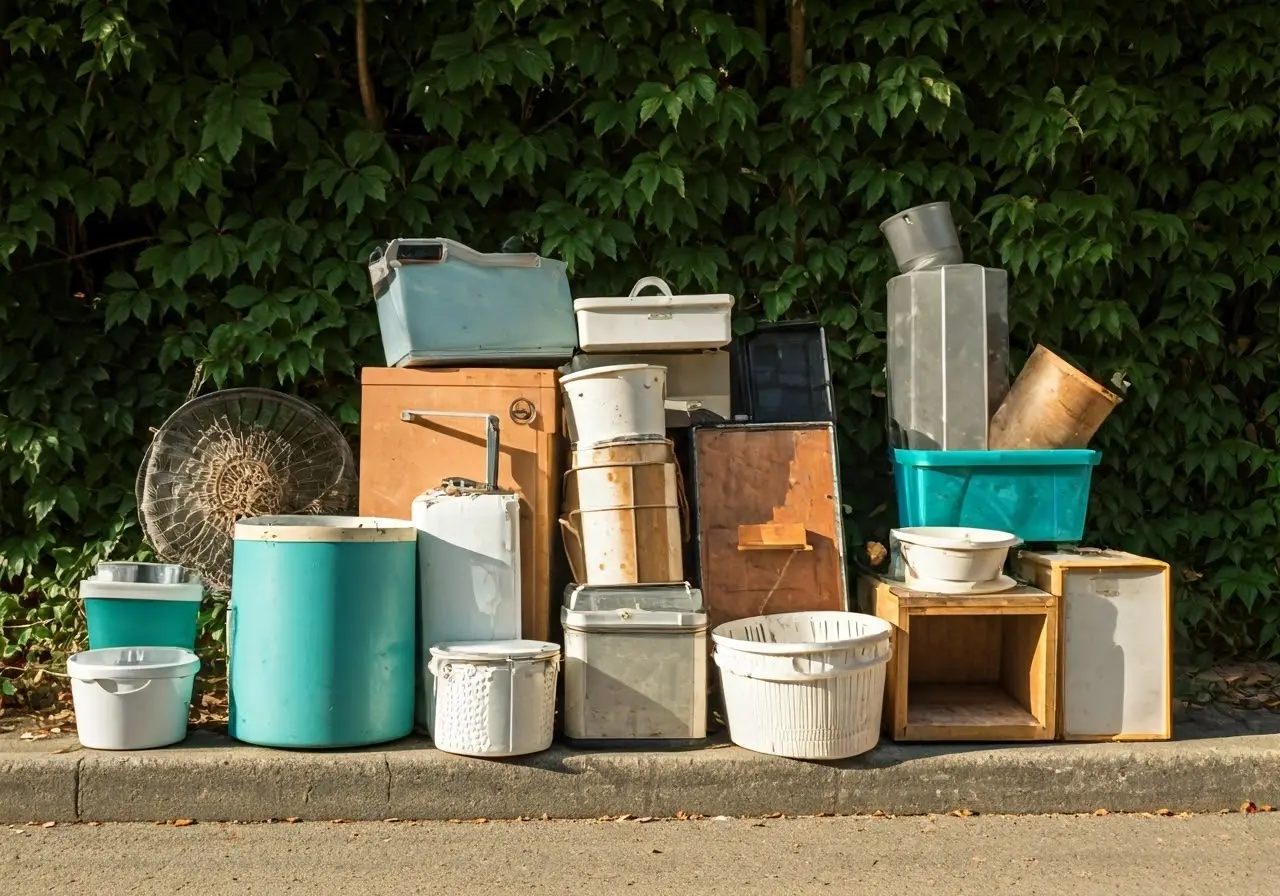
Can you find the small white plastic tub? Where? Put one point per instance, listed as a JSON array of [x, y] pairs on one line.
[[494, 698], [623, 401], [954, 559], [132, 698], [653, 323], [806, 685]]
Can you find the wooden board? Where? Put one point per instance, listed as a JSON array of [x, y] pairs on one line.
[[1116, 662], [756, 475], [971, 668], [399, 461]]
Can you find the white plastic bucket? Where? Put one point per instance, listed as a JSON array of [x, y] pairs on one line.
[[494, 698], [624, 401], [806, 685], [132, 698], [938, 555]]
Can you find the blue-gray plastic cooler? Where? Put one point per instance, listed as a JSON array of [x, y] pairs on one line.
[[441, 303]]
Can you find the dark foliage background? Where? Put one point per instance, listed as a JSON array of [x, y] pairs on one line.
[[196, 186]]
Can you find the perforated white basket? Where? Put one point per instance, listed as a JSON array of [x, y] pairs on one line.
[[806, 685]]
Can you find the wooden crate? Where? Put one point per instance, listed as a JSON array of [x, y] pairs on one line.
[[971, 668], [399, 461], [1116, 661], [767, 519]]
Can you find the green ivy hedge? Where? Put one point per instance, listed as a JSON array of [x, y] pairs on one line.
[[197, 186]]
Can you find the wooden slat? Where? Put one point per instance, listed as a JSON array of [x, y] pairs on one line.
[[773, 537]]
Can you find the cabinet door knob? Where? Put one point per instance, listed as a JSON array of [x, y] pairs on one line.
[[523, 411]]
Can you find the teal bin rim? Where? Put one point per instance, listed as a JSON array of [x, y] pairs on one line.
[[1053, 457], [308, 528]]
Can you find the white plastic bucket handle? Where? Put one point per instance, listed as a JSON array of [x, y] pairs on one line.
[[656, 282], [750, 666], [121, 686]]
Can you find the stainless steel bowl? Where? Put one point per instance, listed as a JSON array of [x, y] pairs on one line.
[[150, 573]]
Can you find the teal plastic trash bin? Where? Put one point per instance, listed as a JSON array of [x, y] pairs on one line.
[[141, 614], [1039, 496], [321, 631]]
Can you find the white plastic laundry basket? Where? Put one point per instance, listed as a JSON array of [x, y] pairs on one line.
[[806, 685], [132, 698], [494, 698]]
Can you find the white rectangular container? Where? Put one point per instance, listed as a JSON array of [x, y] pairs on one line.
[[696, 380], [653, 323], [635, 663], [1117, 656], [468, 576]]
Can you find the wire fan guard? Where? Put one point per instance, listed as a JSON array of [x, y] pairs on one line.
[[233, 454]]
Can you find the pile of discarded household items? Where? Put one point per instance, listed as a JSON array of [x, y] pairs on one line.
[[672, 492]]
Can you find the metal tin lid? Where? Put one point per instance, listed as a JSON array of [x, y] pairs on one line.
[[495, 651], [678, 597], [675, 606]]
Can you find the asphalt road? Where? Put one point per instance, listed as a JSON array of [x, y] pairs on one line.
[[1030, 856]]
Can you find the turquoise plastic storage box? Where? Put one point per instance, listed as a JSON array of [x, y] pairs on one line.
[[441, 303], [1040, 496], [141, 614], [322, 631]]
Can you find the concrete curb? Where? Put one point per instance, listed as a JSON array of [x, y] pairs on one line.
[[211, 778]]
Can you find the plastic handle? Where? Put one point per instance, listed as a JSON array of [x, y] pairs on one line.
[[117, 686], [656, 282], [769, 668], [465, 253]]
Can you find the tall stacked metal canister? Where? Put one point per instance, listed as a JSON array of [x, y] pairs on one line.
[[948, 332]]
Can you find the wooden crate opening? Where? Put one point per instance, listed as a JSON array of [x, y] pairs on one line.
[[976, 672]]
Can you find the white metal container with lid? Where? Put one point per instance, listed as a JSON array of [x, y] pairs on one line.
[[654, 323], [494, 698], [635, 663]]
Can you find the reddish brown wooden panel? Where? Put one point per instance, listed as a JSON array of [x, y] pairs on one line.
[[754, 475]]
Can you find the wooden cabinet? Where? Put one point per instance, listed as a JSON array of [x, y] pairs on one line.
[[399, 461], [770, 538], [980, 667], [1117, 641]]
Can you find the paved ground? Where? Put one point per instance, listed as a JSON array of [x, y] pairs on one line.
[[1216, 763], [1202, 855]]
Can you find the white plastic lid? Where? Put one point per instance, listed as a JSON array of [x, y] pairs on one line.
[[307, 527], [124, 663], [495, 651]]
